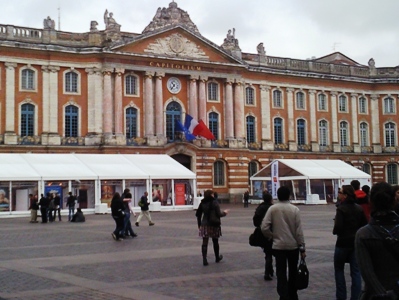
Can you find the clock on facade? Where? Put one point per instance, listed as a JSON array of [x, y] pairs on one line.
[[174, 85]]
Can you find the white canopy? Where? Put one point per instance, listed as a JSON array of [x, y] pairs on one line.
[[32, 167], [293, 169]]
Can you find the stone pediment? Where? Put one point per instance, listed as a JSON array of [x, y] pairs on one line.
[[337, 58]]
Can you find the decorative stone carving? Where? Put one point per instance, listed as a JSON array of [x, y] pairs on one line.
[[261, 49], [171, 16], [176, 45], [49, 23], [93, 26], [110, 23], [230, 44], [371, 63]]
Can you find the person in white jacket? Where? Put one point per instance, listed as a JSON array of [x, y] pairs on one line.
[[282, 223]]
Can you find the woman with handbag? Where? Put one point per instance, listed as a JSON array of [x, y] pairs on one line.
[[208, 219]]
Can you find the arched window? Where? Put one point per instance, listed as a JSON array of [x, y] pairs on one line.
[[301, 131], [173, 113], [389, 105], [131, 123], [252, 169], [364, 134], [131, 85], [251, 129], [362, 105], [27, 120], [343, 132], [27, 80], [249, 96], [322, 102], [277, 99], [71, 121], [71, 82], [218, 173], [323, 133], [278, 131], [390, 135], [342, 103], [392, 174], [300, 100], [213, 94], [214, 124]]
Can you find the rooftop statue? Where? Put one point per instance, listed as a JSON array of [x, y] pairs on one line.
[[48, 23], [110, 23]]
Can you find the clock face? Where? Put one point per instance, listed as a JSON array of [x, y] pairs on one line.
[[174, 85]]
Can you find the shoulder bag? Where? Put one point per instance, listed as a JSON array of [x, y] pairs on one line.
[[302, 277]]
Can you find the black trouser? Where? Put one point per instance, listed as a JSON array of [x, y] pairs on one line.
[[43, 211], [59, 213], [119, 226], [286, 287]]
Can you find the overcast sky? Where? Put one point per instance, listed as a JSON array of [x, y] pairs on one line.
[[300, 29]]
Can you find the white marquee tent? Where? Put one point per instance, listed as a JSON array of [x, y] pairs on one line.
[[312, 181], [22, 174]]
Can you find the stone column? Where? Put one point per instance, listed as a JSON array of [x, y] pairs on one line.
[[118, 112], [334, 122], [229, 114], [107, 103], [292, 144], [149, 105], [355, 127], [159, 116], [239, 116], [313, 121], [375, 124], [94, 106], [202, 98], [193, 98], [10, 136], [267, 143]]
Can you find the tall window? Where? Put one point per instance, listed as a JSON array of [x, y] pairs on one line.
[[301, 131], [278, 131], [343, 132], [28, 82], [71, 82], [389, 105], [131, 123], [364, 134], [214, 124], [390, 134], [131, 85], [251, 129], [71, 121], [366, 168], [323, 132], [300, 100], [173, 113], [249, 96], [27, 119], [322, 102], [277, 99], [392, 173], [252, 169], [213, 91], [362, 105], [218, 173], [342, 103]]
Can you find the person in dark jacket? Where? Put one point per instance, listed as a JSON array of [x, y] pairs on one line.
[[71, 205], [145, 211], [210, 226], [34, 207], [127, 225], [361, 198], [349, 218], [377, 256], [260, 213], [118, 215], [44, 203], [57, 203]]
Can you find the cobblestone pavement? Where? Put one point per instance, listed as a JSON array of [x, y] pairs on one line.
[[63, 260]]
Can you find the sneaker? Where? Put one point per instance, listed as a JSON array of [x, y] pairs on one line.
[[152, 224], [137, 224], [114, 236]]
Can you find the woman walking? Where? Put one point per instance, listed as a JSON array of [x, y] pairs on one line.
[[118, 215], [208, 218]]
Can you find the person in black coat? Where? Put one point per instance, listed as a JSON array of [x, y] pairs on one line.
[[208, 219], [44, 203], [260, 213], [118, 215]]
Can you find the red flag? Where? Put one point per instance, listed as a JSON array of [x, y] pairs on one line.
[[202, 130]]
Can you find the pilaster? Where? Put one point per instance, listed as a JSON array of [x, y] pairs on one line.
[[10, 136], [229, 114]]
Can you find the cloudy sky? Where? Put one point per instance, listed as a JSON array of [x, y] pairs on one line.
[[300, 29]]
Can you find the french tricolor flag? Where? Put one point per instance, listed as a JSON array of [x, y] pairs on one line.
[[197, 128]]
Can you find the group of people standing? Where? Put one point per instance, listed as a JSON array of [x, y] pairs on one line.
[[121, 211]]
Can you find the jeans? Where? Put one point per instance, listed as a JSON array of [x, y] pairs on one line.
[[71, 212], [127, 225], [286, 287], [342, 256]]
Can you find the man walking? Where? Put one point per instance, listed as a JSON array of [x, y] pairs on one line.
[[282, 223], [143, 203]]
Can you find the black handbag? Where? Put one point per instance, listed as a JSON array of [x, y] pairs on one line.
[[302, 276], [257, 239]]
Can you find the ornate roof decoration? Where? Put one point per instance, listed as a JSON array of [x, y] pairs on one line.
[[170, 16]]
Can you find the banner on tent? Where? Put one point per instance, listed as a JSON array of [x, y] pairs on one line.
[[275, 179]]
